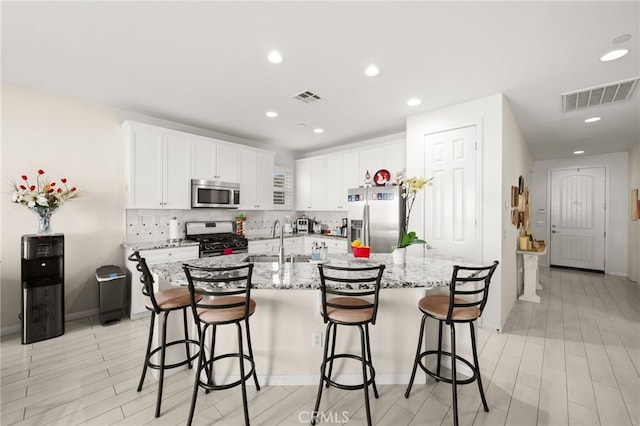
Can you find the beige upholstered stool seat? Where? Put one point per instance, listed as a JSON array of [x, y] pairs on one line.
[[212, 315], [347, 315], [173, 298], [438, 307]]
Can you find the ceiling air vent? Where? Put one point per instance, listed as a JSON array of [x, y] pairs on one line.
[[308, 97], [600, 95]]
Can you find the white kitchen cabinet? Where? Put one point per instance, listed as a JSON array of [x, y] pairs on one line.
[[395, 158], [214, 160], [334, 245], [342, 174], [311, 177], [292, 245], [136, 303], [157, 168], [255, 170], [390, 156]]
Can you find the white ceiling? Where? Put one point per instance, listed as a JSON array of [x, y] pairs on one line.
[[204, 64]]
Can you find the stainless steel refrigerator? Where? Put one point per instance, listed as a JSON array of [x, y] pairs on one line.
[[376, 216]]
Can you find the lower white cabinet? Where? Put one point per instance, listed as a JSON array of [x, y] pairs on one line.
[[292, 245], [334, 245], [137, 307]]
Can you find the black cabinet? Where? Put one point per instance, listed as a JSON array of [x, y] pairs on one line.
[[42, 268]]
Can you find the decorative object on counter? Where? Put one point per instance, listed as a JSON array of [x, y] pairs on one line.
[[399, 255], [410, 188], [382, 177], [241, 222], [367, 178], [43, 198], [360, 250]]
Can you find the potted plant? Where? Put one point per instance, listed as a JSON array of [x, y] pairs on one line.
[[410, 187]]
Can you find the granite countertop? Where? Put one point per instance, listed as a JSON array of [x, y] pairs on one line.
[[159, 244], [418, 272]]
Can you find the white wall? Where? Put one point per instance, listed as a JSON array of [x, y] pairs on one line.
[[634, 225], [516, 162], [494, 121], [617, 200], [79, 141]]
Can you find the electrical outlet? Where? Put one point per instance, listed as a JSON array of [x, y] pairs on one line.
[[316, 340]]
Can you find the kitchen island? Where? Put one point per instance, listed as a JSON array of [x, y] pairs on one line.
[[287, 316], [300, 275]]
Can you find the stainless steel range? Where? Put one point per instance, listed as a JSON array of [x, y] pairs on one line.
[[216, 238]]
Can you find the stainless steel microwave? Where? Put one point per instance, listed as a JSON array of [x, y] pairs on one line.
[[214, 194]]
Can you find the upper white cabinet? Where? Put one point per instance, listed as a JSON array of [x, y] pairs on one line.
[[390, 156], [342, 174], [322, 182], [157, 168], [310, 184], [214, 160], [255, 170]]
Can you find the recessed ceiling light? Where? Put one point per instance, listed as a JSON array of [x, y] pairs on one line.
[[592, 119], [271, 114], [621, 39], [318, 130], [274, 57], [372, 71], [613, 55], [414, 102], [578, 152]]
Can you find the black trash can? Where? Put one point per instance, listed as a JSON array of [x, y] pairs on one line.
[[111, 287]]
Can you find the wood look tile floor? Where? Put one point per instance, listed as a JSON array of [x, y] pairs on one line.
[[574, 359]]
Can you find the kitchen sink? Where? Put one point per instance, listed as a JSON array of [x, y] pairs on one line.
[[266, 259]]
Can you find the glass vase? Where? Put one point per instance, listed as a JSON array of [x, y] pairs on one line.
[[44, 221]]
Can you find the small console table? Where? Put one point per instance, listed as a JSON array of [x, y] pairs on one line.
[[531, 283]]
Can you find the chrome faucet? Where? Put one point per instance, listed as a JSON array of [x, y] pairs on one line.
[[281, 258]]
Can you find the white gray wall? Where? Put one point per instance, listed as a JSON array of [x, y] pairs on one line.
[[617, 199], [634, 226]]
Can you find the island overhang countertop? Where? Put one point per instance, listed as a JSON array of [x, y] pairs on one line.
[[417, 272]]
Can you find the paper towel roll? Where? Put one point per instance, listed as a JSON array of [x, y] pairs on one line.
[[174, 230]]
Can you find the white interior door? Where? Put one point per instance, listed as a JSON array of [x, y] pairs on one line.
[[578, 218], [450, 205]]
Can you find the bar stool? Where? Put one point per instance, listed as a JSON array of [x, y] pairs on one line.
[[354, 293], [228, 301], [162, 302], [452, 309]]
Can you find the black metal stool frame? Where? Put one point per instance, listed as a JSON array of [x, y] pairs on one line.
[[146, 278], [343, 287], [469, 274], [221, 282]]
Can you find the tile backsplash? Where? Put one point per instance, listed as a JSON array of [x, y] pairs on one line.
[[153, 225]]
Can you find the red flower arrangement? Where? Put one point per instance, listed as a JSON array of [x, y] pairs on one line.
[[44, 196]]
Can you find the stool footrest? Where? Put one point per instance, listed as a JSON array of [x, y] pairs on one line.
[[372, 373], [177, 364], [444, 378], [208, 365]]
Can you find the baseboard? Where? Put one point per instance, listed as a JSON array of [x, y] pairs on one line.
[[68, 317]]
